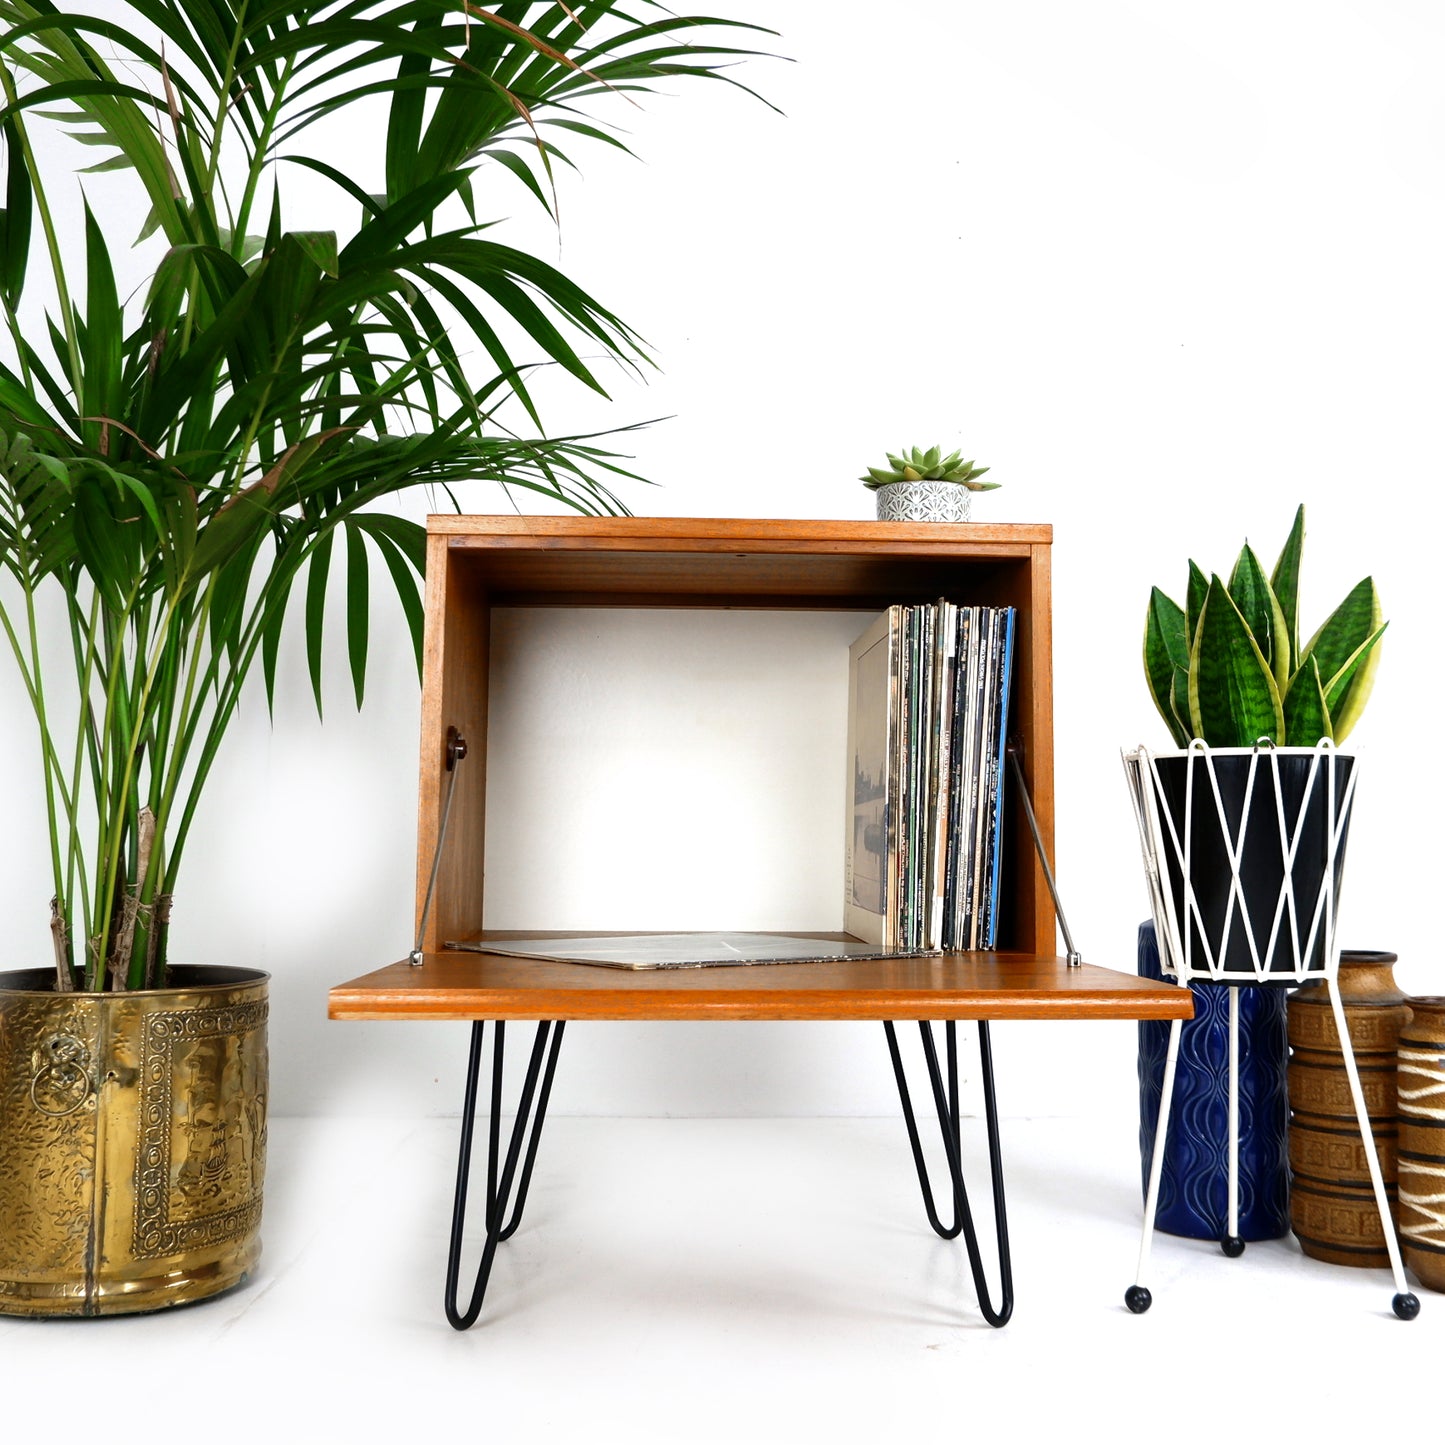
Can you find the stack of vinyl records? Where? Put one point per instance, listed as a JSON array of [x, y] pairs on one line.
[[927, 726]]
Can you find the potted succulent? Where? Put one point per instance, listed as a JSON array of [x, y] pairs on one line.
[[1258, 798], [181, 462], [922, 485], [1244, 830]]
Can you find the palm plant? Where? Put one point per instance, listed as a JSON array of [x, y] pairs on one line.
[[177, 467]]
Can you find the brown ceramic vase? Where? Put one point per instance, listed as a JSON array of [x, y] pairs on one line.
[[1422, 1141], [1333, 1211]]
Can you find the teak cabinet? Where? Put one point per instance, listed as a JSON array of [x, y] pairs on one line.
[[477, 563]]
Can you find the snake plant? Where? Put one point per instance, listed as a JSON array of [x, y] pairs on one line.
[[1228, 668], [927, 465]]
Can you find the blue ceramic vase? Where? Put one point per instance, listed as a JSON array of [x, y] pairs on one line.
[[1194, 1186]]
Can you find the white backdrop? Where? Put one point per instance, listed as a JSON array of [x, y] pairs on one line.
[[1167, 270]]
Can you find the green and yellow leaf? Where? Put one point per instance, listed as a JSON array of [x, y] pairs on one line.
[[1285, 581], [1166, 657], [1306, 712], [1262, 614], [1233, 698]]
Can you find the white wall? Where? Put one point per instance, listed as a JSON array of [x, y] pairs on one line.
[[1167, 269]]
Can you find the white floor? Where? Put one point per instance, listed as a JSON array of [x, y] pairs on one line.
[[685, 1280]]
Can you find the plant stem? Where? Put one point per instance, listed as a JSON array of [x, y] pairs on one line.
[[64, 978], [36, 695], [261, 158], [86, 741], [47, 746], [131, 741]]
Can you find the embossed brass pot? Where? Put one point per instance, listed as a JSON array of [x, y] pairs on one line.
[[132, 1141]]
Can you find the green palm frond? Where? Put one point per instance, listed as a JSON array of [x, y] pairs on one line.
[[191, 464]]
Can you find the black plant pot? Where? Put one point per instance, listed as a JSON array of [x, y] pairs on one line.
[[1288, 806]]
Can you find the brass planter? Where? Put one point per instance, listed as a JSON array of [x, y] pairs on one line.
[[132, 1142]]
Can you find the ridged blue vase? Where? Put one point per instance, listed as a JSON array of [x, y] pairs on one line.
[[1194, 1186]]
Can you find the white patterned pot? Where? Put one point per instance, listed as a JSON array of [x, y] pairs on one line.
[[923, 502]]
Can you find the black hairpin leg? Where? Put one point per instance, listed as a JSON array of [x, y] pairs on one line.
[[499, 1191], [946, 1103]]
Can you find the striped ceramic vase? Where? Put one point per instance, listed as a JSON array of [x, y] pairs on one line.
[[1332, 1203], [1422, 1141]]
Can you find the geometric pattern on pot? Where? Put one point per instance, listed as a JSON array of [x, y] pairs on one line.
[[923, 502], [1243, 853], [1242, 845], [1193, 1190], [1421, 1096]]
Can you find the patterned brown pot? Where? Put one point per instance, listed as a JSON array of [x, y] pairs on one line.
[[132, 1141], [1422, 1141], [1333, 1211]]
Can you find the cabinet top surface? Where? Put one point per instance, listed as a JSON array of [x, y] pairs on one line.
[[694, 561], [958, 986], [741, 530]]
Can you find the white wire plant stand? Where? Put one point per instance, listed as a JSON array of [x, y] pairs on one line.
[[1243, 852]]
